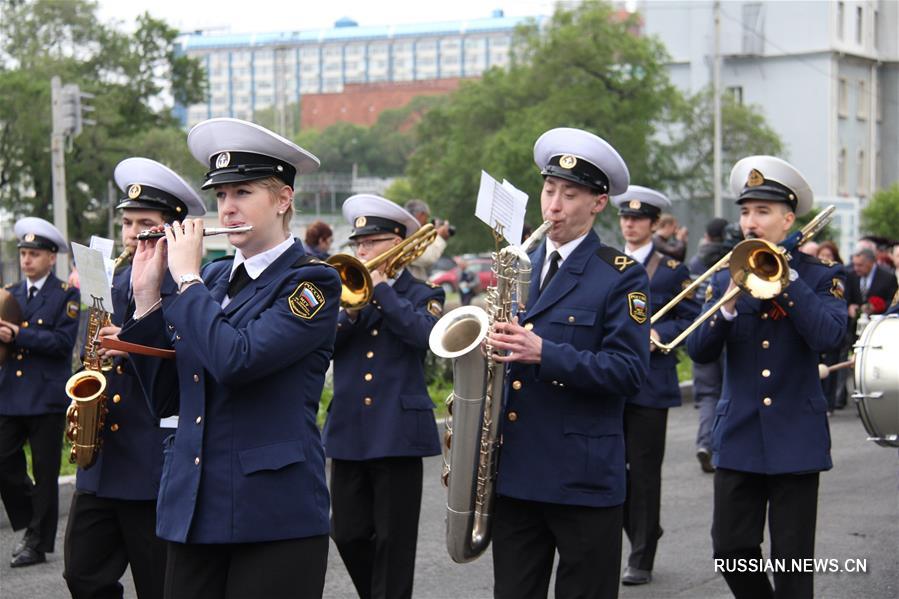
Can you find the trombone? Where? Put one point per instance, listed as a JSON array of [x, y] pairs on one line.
[[355, 276], [756, 266]]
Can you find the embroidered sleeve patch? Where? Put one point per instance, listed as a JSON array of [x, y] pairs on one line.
[[72, 310], [837, 289], [636, 304], [435, 308], [306, 300]]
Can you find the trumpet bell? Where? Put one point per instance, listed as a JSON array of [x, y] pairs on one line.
[[759, 268], [356, 286]]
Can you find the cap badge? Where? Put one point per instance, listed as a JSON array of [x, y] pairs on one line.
[[223, 160], [359, 222], [567, 161], [634, 204], [29, 237], [134, 191], [755, 179]]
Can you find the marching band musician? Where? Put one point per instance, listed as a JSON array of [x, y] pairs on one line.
[[33, 400], [771, 437], [580, 348], [242, 501], [381, 423], [646, 414], [112, 520]]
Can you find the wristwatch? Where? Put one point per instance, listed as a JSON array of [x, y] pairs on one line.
[[187, 279]]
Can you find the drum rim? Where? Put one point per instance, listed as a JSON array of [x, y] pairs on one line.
[[860, 364]]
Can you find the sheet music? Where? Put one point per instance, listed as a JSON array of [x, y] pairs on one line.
[[501, 206], [92, 277], [105, 247]]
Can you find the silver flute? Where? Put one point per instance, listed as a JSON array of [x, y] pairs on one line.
[[206, 232]]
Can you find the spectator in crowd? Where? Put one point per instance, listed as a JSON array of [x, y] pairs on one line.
[[809, 248], [468, 283], [319, 237], [835, 384], [869, 287], [421, 267], [670, 239]]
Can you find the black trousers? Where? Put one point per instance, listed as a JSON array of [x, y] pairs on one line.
[[738, 527], [644, 439], [103, 537], [374, 522], [526, 535], [294, 568], [34, 505]]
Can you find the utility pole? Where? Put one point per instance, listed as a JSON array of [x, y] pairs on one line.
[[716, 167], [111, 201], [68, 119]]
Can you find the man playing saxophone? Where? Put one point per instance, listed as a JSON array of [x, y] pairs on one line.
[[112, 519], [577, 352], [381, 422], [32, 389]]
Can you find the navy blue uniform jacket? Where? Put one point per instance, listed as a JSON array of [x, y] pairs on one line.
[[772, 417], [33, 379], [381, 406], [246, 463], [661, 388], [130, 462], [563, 432]]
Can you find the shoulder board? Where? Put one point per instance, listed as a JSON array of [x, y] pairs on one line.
[[307, 260], [815, 260], [672, 263], [618, 260], [64, 286]]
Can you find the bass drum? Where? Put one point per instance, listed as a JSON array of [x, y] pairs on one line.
[[877, 380], [10, 312]]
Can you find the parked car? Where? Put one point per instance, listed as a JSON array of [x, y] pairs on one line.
[[449, 279]]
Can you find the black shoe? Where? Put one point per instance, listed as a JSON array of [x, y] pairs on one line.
[[635, 576], [28, 557], [705, 459], [27, 540]]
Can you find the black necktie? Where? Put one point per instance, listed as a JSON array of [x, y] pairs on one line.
[[32, 291], [553, 269], [240, 280]]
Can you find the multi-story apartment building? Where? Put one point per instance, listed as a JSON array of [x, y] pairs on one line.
[[248, 73], [824, 73]]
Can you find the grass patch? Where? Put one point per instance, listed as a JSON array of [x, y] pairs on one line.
[[684, 365]]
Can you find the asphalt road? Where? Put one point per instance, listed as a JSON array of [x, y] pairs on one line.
[[857, 519]]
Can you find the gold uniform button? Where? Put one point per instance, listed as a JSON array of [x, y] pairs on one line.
[[199, 419], [114, 427], [571, 319], [767, 401], [529, 326], [370, 355], [790, 303], [367, 401], [18, 373], [40, 321], [512, 416], [197, 461], [119, 369], [24, 324], [764, 316], [368, 376], [516, 385], [766, 373], [196, 378], [765, 344], [374, 332], [20, 357], [116, 398]]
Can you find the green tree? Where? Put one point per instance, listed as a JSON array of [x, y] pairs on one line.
[[881, 215], [133, 76]]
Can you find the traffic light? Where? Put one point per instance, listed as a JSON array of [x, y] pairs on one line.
[[72, 110]]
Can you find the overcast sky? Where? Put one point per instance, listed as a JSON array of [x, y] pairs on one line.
[[244, 16]]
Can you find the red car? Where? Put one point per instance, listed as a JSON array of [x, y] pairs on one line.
[[449, 279]]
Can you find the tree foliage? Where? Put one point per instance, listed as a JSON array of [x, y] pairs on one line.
[[881, 215], [134, 78]]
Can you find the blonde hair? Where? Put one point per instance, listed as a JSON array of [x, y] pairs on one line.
[[274, 185]]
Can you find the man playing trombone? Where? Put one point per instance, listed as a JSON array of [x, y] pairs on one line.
[[770, 439], [381, 422]]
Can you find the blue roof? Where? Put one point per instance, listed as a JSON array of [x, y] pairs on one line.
[[193, 41]]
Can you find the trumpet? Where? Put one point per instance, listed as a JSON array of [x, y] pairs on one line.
[[355, 276], [144, 235], [756, 266]]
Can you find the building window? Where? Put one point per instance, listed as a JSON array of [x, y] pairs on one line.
[[841, 17], [736, 93], [859, 24], [876, 27], [862, 174], [841, 171], [843, 98], [863, 99]]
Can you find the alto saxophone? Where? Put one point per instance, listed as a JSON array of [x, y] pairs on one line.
[[471, 441], [86, 415]]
